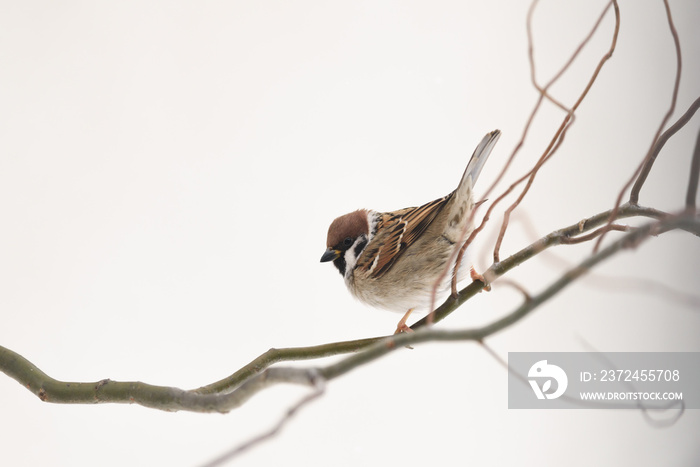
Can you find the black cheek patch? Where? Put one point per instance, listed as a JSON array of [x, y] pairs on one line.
[[340, 264]]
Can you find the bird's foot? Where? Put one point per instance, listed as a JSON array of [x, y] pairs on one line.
[[402, 326], [478, 277]]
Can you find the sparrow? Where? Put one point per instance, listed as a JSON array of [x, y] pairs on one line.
[[392, 260]]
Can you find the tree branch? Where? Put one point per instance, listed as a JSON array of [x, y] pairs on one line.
[[165, 398], [558, 237], [273, 356], [231, 392], [688, 222]]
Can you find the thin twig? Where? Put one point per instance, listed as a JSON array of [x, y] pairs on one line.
[[569, 62], [516, 286], [557, 139], [543, 93], [648, 159], [694, 174], [272, 432], [616, 283], [594, 234], [663, 139]]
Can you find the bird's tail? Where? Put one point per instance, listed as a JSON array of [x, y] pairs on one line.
[[481, 153], [462, 201]]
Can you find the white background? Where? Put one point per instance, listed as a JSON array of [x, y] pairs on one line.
[[168, 171]]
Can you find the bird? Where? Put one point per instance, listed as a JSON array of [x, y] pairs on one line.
[[392, 260]]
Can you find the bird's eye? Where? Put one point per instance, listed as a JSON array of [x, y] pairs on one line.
[[347, 242]]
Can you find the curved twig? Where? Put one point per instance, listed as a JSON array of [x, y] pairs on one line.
[[658, 146], [558, 137], [543, 93], [649, 158]]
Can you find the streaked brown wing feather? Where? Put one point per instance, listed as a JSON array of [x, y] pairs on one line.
[[396, 232]]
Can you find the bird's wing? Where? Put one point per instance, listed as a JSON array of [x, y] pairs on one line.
[[396, 231]]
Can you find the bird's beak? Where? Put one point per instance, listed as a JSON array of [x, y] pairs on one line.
[[330, 255]]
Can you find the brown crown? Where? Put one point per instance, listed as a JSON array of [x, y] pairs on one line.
[[350, 225]]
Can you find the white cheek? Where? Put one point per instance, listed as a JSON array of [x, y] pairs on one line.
[[350, 258]]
